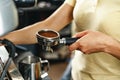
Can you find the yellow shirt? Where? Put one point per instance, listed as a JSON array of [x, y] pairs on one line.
[[104, 16]]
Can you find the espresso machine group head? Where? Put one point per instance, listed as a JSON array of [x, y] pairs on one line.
[[48, 38]]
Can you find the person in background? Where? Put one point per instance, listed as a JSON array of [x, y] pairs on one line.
[[101, 19]]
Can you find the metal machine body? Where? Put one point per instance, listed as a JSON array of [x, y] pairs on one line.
[[9, 22], [8, 69], [8, 16]]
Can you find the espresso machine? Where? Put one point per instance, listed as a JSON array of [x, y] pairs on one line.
[[8, 22], [33, 66]]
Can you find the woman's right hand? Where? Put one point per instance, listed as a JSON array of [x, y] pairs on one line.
[[92, 41]]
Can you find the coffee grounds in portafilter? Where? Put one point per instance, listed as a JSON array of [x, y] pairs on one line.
[[48, 34]]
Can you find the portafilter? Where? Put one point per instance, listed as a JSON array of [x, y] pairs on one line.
[[48, 38]]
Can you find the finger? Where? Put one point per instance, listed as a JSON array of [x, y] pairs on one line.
[[80, 34], [74, 46]]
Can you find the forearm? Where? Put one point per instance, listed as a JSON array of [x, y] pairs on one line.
[[26, 35], [56, 21], [113, 48]]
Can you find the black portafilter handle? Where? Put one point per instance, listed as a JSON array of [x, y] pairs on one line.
[[68, 41]]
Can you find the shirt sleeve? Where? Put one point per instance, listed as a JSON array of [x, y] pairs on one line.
[[70, 2]]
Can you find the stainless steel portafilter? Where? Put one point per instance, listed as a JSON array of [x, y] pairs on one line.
[[48, 38]]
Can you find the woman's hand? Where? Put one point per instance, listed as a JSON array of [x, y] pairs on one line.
[[92, 41]]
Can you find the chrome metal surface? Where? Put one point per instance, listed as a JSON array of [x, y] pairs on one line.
[[47, 40], [8, 16], [12, 70], [31, 67]]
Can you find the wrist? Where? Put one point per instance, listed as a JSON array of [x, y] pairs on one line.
[[112, 47]]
